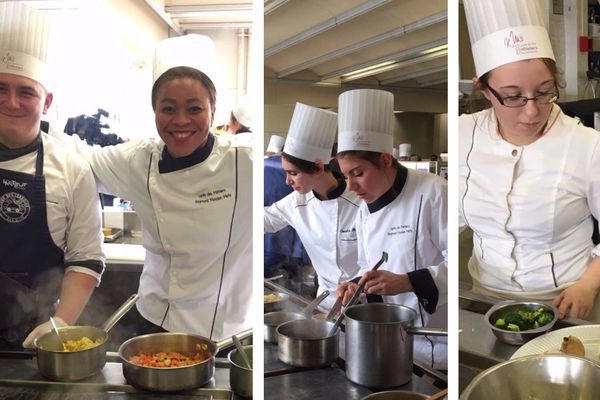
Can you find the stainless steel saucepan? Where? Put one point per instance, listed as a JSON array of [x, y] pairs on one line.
[[273, 319], [56, 364], [174, 378], [307, 343]]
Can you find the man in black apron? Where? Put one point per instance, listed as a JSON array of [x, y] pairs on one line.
[[30, 262], [32, 253]]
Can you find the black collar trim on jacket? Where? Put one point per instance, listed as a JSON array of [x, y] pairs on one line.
[[393, 192], [7, 154], [170, 164]]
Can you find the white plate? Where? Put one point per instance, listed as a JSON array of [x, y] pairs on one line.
[[588, 334]]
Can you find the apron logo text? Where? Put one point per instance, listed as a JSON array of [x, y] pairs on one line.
[[215, 195], [14, 184], [14, 207]]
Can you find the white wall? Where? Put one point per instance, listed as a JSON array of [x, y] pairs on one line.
[[102, 54]]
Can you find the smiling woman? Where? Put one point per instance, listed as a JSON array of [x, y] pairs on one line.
[[184, 110], [192, 192]]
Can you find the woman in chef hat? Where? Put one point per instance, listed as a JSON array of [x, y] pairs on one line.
[[50, 221], [192, 192], [404, 213], [528, 173], [321, 209]]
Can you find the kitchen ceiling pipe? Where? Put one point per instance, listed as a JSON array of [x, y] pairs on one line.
[[326, 25], [242, 62], [372, 41]]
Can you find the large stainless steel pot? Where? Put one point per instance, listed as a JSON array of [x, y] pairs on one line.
[[240, 377], [171, 379], [379, 344], [59, 365], [307, 343]]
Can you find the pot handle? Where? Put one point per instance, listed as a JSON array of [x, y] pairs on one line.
[[121, 311], [307, 311], [415, 330], [229, 341]]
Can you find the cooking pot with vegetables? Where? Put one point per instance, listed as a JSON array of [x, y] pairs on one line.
[[149, 376], [56, 363], [379, 344]]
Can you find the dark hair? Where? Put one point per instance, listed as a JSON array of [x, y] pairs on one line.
[[185, 72], [476, 103], [371, 156], [308, 167]]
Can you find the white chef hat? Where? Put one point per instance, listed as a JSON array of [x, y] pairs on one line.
[[366, 121], [276, 143], [195, 51], [243, 112], [505, 31], [311, 134], [24, 36]]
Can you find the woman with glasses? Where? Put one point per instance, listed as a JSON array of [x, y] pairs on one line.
[[528, 174]]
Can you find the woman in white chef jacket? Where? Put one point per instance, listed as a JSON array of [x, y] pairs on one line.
[[528, 173], [404, 213], [192, 192], [321, 209]]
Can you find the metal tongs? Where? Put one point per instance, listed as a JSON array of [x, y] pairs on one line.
[[353, 299]]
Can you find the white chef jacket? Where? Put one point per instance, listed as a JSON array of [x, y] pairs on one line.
[[197, 223], [72, 205], [530, 206], [413, 230], [327, 231]]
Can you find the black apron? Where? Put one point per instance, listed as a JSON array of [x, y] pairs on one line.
[[31, 265]]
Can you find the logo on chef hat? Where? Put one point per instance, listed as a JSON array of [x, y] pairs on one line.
[[8, 60], [14, 207], [517, 41], [360, 140]]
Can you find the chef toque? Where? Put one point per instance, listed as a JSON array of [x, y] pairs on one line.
[[505, 31], [24, 37], [311, 134], [243, 112], [195, 51], [276, 143], [366, 121]]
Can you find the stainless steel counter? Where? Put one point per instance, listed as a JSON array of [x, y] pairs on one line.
[[286, 382], [20, 379]]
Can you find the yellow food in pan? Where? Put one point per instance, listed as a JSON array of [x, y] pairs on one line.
[[82, 344], [270, 298]]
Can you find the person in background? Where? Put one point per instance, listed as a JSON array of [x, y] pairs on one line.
[[283, 251], [321, 209], [528, 174], [50, 221], [240, 121], [404, 213], [192, 192]]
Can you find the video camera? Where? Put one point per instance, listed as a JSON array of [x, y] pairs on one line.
[[90, 129]]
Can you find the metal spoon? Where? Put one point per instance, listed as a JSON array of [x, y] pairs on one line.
[[240, 349], [57, 334]]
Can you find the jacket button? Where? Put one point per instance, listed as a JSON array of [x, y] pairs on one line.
[[515, 152]]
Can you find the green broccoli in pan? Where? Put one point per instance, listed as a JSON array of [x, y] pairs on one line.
[[523, 320]]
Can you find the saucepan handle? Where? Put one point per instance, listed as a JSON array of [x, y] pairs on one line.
[[414, 330], [121, 311]]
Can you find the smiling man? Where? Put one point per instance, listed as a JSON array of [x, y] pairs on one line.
[[50, 224]]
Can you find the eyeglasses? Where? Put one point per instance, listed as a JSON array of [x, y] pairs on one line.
[[520, 101]]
